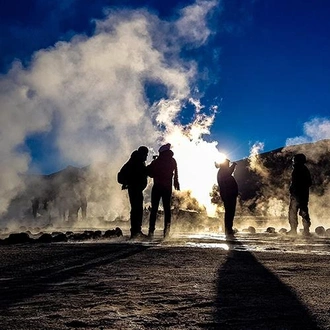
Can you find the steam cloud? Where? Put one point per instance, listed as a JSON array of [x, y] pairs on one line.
[[274, 201], [90, 92]]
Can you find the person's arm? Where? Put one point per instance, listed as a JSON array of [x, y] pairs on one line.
[[176, 176], [150, 169], [309, 178], [232, 168]]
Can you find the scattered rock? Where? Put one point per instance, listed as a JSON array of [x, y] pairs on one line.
[[17, 238], [60, 238], [112, 233], [45, 238], [283, 231], [55, 233], [97, 234], [79, 236], [271, 230], [41, 237], [250, 230], [320, 231]]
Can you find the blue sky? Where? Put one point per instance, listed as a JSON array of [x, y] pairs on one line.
[[264, 65]]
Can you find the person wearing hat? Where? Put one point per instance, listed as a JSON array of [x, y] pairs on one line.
[[299, 195], [135, 180], [228, 191], [164, 172]]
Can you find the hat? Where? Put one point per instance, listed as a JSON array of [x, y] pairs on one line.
[[300, 158], [143, 150], [165, 147]]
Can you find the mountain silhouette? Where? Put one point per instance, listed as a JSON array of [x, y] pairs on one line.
[[262, 178]]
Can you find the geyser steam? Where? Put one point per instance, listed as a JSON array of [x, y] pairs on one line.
[[90, 93]]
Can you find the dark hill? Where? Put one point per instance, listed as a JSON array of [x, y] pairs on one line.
[[263, 181], [267, 175]]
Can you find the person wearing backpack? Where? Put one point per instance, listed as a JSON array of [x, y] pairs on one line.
[[164, 172], [133, 177]]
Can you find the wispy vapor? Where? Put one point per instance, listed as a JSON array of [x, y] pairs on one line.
[[192, 25], [95, 87], [314, 130]]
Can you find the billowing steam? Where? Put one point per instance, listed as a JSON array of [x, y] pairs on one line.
[[91, 93], [275, 177], [254, 160], [314, 130]]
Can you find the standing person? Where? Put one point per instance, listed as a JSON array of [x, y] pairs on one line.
[[299, 195], [228, 191], [133, 176], [164, 172]]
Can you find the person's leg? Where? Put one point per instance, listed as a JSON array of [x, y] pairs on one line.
[[136, 201], [155, 199], [139, 210], [306, 221], [231, 214], [230, 207], [166, 198], [293, 217]]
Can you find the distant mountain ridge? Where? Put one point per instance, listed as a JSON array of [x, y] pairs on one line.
[[263, 181], [267, 175]]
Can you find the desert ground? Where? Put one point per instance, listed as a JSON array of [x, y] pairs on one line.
[[191, 281]]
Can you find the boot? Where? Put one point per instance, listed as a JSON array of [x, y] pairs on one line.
[[306, 223], [306, 232], [151, 234], [292, 232], [167, 230]]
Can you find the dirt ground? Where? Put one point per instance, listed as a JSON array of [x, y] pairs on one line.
[[191, 282]]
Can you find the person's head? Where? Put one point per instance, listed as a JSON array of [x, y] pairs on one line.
[[135, 155], [165, 151], [164, 147], [143, 152], [299, 159], [225, 163]]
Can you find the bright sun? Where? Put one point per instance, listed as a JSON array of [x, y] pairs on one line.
[[196, 165], [221, 158]]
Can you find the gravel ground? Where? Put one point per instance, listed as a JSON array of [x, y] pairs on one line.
[[195, 282]]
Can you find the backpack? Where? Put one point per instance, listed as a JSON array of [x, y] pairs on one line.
[[123, 175]]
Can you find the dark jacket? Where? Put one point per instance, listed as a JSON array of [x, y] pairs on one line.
[[163, 169], [227, 184], [135, 172], [300, 182]]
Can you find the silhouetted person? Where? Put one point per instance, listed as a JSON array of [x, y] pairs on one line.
[[135, 173], [299, 195], [228, 191], [164, 172]]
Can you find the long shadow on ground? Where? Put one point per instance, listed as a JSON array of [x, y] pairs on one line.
[[26, 283], [249, 296]]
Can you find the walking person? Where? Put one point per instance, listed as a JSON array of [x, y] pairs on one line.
[[164, 172], [133, 176], [228, 191], [299, 195]]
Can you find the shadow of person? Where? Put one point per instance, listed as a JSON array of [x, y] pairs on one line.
[[249, 296]]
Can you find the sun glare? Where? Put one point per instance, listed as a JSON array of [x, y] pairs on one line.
[[221, 158], [197, 172]]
